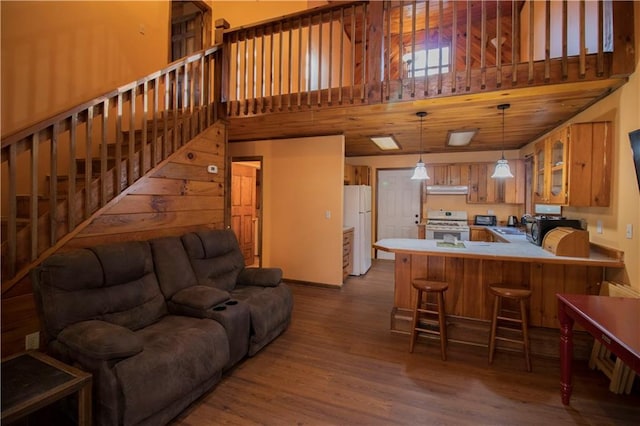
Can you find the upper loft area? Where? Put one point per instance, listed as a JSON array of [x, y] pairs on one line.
[[363, 69]]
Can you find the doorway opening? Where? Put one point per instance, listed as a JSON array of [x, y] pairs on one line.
[[190, 28], [246, 207]]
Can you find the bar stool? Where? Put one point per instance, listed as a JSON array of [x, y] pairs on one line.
[[436, 308], [499, 314]]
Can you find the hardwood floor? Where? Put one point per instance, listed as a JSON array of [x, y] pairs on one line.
[[338, 363]]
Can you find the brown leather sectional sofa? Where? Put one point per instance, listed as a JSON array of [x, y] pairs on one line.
[[157, 322]]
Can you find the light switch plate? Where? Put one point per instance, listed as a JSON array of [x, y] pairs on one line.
[[629, 233], [32, 341], [599, 227]]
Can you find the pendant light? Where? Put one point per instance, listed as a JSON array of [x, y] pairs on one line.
[[420, 173], [502, 166]]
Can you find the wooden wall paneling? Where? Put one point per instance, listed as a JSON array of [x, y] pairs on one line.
[[575, 279], [125, 223], [435, 268], [553, 282], [595, 276], [454, 268], [472, 293], [18, 319], [82, 241], [402, 294], [535, 304]]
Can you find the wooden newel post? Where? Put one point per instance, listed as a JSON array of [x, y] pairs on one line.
[[221, 25], [221, 70], [375, 35], [623, 62]]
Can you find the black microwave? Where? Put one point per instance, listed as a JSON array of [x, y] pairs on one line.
[[538, 227], [485, 220]]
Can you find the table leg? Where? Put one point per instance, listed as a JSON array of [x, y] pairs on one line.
[[566, 352], [84, 405]]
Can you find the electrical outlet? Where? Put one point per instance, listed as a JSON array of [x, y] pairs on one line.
[[629, 233], [32, 341], [599, 227]]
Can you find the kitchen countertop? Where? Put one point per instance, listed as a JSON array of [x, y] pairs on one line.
[[515, 248]]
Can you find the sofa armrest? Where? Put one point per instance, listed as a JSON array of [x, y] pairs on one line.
[[263, 277], [101, 340], [196, 300]]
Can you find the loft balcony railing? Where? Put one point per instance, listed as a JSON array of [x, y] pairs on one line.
[[59, 172], [376, 52]]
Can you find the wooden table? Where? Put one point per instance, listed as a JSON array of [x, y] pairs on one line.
[[614, 321], [32, 380]]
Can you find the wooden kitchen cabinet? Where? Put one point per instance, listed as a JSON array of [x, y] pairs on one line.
[[572, 166], [347, 253], [512, 191], [483, 189], [478, 233], [357, 175], [362, 175], [549, 163], [448, 174], [349, 174]]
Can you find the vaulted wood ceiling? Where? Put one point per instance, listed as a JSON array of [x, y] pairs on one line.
[[534, 111]]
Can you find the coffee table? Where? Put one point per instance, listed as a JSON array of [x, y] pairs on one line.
[[32, 380]]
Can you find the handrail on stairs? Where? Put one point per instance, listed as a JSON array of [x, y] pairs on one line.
[[61, 170]]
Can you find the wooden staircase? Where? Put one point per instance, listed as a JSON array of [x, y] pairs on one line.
[[64, 170]]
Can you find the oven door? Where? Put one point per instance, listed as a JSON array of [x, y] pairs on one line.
[[439, 234]]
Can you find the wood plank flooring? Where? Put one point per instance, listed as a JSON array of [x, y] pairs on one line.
[[339, 364]]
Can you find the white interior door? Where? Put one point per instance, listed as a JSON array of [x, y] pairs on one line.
[[398, 206]]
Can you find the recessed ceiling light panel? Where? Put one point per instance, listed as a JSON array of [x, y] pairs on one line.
[[385, 143], [460, 137]]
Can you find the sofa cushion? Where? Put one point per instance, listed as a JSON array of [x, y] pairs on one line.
[[270, 309], [172, 265], [76, 286], [101, 340], [200, 297], [124, 262], [215, 256], [265, 277], [179, 354]]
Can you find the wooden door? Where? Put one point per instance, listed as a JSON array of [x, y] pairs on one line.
[[243, 208]]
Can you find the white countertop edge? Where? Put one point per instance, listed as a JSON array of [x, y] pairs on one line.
[[517, 248]]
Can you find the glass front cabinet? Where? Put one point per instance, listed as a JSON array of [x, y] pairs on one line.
[[550, 169]]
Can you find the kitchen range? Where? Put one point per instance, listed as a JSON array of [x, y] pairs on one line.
[[452, 223]]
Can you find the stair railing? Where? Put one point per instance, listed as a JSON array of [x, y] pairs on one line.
[[58, 172]]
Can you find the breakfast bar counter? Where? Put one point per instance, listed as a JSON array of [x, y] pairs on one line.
[[470, 267], [516, 249]]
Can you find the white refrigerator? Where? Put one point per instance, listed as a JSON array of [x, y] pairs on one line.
[[357, 214]]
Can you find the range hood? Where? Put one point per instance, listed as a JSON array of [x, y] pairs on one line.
[[447, 189]]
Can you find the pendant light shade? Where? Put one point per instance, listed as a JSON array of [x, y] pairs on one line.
[[420, 172], [502, 166]]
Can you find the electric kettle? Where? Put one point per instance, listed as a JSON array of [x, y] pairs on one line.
[[512, 221]]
